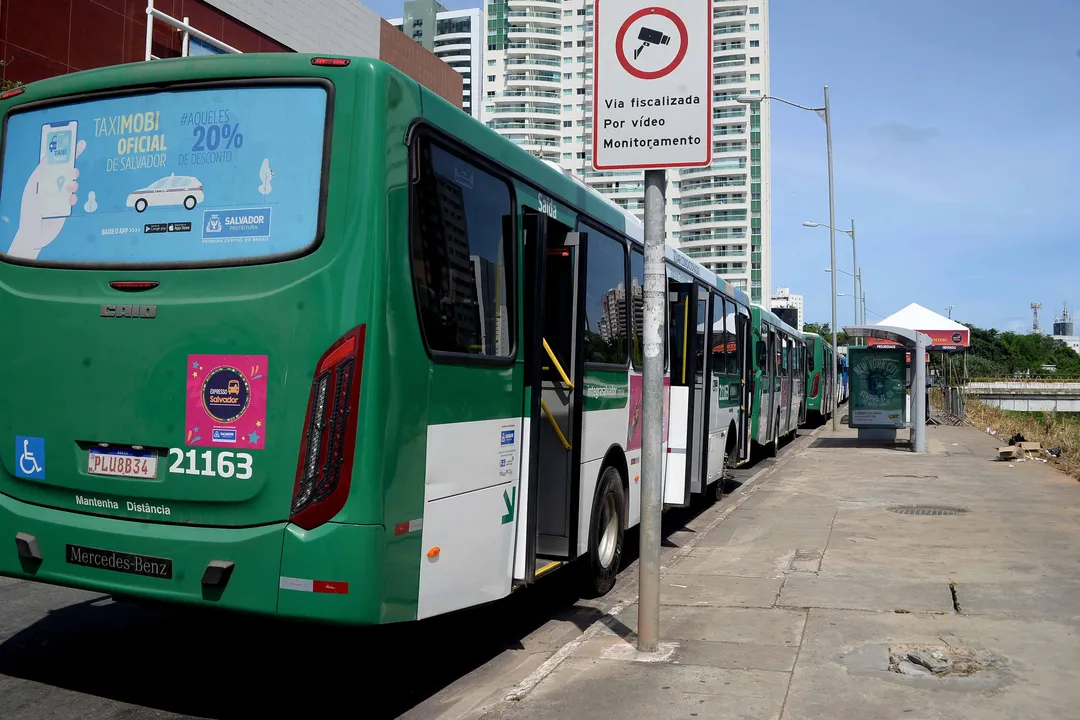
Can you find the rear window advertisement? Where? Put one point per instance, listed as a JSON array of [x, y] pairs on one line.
[[187, 176]]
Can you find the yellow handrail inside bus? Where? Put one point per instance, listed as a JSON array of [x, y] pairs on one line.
[[554, 425], [562, 373]]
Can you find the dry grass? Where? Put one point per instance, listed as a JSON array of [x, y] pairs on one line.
[[1053, 431]]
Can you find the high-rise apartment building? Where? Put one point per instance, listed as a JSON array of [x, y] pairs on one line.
[[456, 37], [538, 86]]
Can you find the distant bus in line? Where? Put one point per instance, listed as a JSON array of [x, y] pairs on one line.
[[402, 379], [823, 393]]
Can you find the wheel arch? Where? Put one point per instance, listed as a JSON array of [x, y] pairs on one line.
[[615, 457]]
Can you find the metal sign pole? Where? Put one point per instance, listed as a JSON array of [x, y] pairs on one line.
[[652, 413], [644, 51]]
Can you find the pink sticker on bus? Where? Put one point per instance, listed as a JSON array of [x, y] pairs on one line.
[[633, 433], [226, 401]]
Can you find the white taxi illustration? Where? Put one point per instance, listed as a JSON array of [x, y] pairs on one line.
[[172, 190]]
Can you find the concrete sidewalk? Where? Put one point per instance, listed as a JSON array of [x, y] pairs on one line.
[[825, 593]]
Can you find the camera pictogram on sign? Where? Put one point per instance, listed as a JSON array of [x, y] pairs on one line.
[[648, 37], [651, 27]]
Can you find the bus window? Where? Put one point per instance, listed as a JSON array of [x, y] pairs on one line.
[[785, 351], [702, 321], [719, 337], [461, 256], [606, 322], [777, 344], [637, 306], [198, 205], [678, 323]]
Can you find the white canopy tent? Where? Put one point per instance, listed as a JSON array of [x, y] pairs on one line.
[[946, 335]]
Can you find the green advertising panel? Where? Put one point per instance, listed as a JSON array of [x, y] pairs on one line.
[[877, 388]]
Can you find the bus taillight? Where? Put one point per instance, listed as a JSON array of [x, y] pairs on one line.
[[324, 469], [814, 388]]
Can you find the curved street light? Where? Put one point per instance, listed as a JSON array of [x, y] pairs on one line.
[[825, 114], [854, 261]]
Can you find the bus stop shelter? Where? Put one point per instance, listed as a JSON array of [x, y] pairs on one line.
[[917, 344]]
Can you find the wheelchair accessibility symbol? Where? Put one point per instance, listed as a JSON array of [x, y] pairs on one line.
[[30, 457]]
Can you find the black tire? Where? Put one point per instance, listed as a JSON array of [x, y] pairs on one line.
[[715, 492], [601, 566], [718, 490], [774, 445], [140, 205], [190, 202]]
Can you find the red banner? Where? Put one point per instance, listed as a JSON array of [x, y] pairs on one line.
[[940, 340]]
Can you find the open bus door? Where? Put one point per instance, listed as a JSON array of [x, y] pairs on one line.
[[688, 306], [745, 344], [553, 295], [788, 366]]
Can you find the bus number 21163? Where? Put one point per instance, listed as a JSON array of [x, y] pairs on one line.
[[227, 464]]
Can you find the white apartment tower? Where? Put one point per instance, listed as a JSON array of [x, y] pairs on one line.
[[538, 73], [457, 37]]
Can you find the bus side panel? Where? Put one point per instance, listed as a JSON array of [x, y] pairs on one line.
[[389, 484], [604, 422], [451, 413], [469, 514]]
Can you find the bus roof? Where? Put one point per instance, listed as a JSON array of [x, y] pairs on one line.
[[635, 230]]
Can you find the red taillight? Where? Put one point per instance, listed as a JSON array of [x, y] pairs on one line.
[[324, 468], [133, 285], [12, 93], [815, 387], [330, 61]]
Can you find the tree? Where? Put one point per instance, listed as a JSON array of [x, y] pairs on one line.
[[6, 84], [994, 354], [825, 331]]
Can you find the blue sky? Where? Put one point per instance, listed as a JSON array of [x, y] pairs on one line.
[[956, 135]]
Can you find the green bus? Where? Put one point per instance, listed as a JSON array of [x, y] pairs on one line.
[[820, 376], [779, 380], [294, 336]]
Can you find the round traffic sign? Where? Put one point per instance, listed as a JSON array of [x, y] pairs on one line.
[[649, 36]]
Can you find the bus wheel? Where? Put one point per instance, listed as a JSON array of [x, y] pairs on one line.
[[606, 531], [716, 490]]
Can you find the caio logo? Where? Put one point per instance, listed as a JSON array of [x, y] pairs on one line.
[[147, 312]]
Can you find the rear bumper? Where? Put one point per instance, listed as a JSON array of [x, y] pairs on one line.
[[330, 574]]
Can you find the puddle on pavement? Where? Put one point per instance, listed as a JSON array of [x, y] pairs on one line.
[[929, 666]]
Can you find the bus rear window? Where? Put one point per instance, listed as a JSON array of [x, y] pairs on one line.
[[200, 177]]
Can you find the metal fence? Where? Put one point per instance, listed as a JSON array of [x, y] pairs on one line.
[[954, 402]]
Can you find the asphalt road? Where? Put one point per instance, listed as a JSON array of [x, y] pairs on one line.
[[72, 654]]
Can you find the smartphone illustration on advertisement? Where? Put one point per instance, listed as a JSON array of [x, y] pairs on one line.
[[58, 155]]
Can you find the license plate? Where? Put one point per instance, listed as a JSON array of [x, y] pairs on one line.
[[123, 463], [129, 563]]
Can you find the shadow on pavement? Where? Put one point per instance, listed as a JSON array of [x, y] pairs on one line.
[[851, 442], [223, 666]]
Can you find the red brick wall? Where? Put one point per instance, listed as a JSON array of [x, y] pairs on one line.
[[408, 56], [43, 38]]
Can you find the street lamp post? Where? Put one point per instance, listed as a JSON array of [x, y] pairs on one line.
[[859, 295], [857, 274], [826, 115]]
